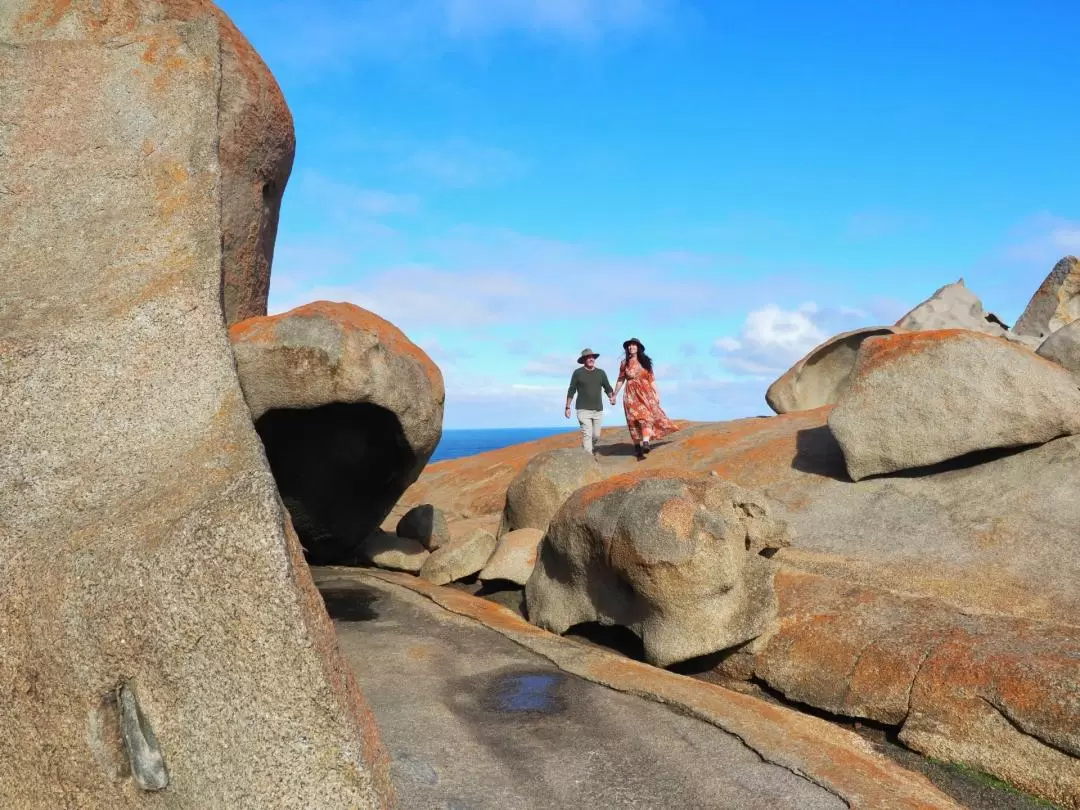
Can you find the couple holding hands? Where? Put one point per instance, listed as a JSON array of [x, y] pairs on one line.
[[645, 418]]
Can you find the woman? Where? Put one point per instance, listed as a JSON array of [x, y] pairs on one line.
[[644, 416]]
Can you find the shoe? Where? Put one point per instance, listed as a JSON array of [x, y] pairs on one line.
[[639, 452], [645, 447]]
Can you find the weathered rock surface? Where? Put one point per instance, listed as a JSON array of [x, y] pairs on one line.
[[385, 550], [998, 694], [461, 557], [1063, 347], [673, 557], [1055, 304], [349, 411], [514, 557], [571, 749], [822, 374], [537, 492], [255, 125], [426, 524], [986, 537], [146, 553], [989, 540], [919, 399], [954, 306]]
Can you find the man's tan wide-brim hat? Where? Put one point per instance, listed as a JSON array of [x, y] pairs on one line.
[[587, 353]]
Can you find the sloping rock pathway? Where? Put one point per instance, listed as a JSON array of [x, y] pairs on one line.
[[479, 709]]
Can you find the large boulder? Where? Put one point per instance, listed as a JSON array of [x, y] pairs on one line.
[[256, 143], [349, 411], [998, 694], [920, 398], [823, 373], [152, 589], [674, 557], [537, 492], [1063, 347], [1055, 304]]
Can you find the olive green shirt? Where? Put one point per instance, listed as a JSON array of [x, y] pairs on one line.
[[588, 385]]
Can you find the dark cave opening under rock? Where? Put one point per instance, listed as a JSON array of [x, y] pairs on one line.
[[340, 468]]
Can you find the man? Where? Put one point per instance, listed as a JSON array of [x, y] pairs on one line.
[[587, 382]]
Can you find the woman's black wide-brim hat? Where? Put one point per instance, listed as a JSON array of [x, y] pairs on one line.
[[640, 345]]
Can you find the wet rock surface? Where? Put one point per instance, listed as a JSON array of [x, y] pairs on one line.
[[483, 723]]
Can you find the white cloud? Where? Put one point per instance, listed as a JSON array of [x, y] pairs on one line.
[[772, 338], [482, 277]]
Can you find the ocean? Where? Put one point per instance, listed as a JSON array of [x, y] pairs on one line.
[[458, 443]]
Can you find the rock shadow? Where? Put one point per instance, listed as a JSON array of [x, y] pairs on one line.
[[340, 469], [818, 453], [352, 604]]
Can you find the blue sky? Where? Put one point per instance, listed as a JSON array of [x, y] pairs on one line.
[[512, 180]]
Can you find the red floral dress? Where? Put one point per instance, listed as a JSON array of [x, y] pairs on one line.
[[641, 401]]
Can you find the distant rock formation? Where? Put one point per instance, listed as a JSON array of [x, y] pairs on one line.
[[954, 306], [1055, 304], [1063, 347]]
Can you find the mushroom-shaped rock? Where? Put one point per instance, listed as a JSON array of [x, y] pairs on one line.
[[349, 411], [159, 628], [1055, 304], [426, 524], [461, 557], [537, 492], [1063, 347], [954, 306], [674, 557], [385, 550], [823, 373], [920, 398], [514, 557]]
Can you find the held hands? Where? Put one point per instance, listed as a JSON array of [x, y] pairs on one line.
[[611, 399]]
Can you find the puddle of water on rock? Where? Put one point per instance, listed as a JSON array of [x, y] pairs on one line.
[[529, 692], [354, 604]]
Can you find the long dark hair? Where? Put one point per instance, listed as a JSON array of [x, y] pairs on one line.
[[642, 358]]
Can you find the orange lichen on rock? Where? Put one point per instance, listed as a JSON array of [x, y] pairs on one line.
[[880, 351], [263, 329]]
